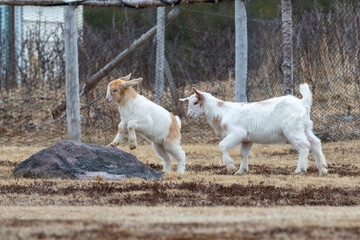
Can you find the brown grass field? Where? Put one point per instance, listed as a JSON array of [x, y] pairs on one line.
[[206, 203]]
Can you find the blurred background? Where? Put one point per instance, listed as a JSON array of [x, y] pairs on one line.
[[199, 52]]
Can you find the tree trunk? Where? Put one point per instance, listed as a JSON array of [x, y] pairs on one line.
[[160, 54], [19, 21], [287, 34], [241, 52]]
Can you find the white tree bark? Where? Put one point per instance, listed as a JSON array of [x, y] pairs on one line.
[[287, 36], [19, 42], [160, 54], [241, 52], [72, 75]]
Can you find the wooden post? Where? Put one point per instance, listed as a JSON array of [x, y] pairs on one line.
[[72, 75], [160, 54], [241, 52], [287, 34]]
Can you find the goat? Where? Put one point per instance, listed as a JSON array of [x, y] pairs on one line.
[[140, 115], [276, 120]]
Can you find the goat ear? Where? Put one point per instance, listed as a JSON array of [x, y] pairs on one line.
[[184, 99], [126, 78], [198, 94], [131, 83]]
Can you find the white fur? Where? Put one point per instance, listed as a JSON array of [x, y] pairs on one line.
[[153, 122], [276, 120]]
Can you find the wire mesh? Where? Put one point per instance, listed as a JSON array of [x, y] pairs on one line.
[[199, 52]]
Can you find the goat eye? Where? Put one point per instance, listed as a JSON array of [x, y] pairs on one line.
[[196, 103]]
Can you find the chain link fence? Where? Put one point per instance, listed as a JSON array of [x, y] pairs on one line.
[[199, 52]]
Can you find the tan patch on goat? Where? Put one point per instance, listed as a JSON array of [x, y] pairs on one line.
[[123, 95], [220, 104], [201, 101], [174, 131], [216, 124]]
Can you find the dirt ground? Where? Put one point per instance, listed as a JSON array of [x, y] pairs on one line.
[[205, 203]]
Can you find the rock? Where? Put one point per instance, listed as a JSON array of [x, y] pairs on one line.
[[72, 160]]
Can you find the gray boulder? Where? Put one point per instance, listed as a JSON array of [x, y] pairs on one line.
[[72, 160]]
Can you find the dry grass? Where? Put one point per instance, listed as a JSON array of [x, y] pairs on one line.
[[206, 202], [179, 223]]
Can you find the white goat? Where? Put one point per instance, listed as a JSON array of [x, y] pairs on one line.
[[276, 120], [140, 115]]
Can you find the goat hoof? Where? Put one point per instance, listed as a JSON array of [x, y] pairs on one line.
[[113, 144], [323, 171], [181, 170], [298, 172], [231, 168], [132, 145], [240, 172]]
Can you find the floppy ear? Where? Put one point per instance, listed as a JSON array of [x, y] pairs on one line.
[[131, 83], [198, 94], [184, 99], [126, 78]]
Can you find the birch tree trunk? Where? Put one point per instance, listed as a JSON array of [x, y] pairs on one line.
[[287, 35], [72, 75], [160, 54], [241, 52], [19, 25]]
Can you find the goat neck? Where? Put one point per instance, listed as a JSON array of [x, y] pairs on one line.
[[213, 107]]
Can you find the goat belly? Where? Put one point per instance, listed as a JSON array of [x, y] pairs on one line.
[[269, 138]]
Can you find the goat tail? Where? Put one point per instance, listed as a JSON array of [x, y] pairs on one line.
[[178, 120], [306, 96]]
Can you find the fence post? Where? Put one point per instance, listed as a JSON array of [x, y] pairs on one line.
[[241, 52], [160, 54], [72, 75], [287, 34]]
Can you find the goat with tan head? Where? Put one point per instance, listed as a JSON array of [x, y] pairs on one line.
[[276, 120], [140, 115]]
